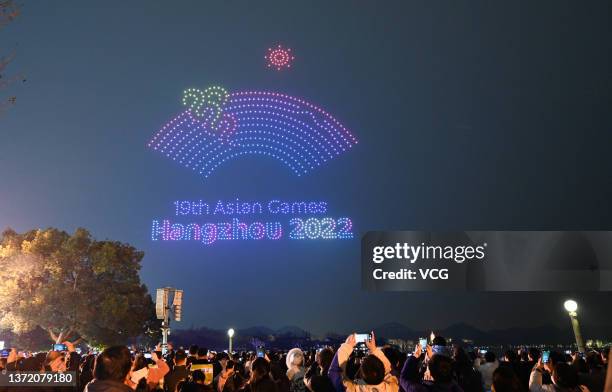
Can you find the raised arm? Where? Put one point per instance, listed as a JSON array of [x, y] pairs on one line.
[[409, 377], [337, 368], [535, 378]]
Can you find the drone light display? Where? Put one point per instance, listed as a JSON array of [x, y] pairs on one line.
[[279, 58], [234, 220], [218, 126]]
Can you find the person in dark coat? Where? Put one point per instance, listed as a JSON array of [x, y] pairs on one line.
[[440, 368], [111, 371], [178, 373], [260, 378]]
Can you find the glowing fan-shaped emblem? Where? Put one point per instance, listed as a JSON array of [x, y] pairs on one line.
[[218, 126], [279, 57]]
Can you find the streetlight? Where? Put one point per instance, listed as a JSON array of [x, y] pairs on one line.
[[230, 333], [572, 307]]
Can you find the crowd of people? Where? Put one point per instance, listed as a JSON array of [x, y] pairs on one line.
[[355, 366]]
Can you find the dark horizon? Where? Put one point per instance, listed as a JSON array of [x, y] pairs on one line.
[[592, 331], [461, 334], [469, 117]]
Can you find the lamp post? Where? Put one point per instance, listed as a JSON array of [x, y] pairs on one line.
[[230, 334], [571, 307]]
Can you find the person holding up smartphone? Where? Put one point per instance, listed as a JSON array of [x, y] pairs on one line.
[[153, 370], [11, 358], [261, 352], [542, 371], [438, 375], [375, 369], [564, 377], [62, 361], [159, 369]]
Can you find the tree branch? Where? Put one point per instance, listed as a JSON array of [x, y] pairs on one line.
[[52, 334]]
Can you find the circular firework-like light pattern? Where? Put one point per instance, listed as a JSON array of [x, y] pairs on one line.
[[279, 57]]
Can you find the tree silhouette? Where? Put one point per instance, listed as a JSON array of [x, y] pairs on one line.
[[73, 287]]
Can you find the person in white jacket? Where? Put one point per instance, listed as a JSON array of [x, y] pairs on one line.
[[375, 371], [487, 368]]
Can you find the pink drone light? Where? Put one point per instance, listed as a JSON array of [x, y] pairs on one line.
[[279, 57]]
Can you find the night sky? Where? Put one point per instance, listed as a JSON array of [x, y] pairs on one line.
[[470, 115]]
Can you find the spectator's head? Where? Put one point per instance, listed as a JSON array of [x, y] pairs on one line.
[[229, 365], [579, 364], [438, 341], [277, 371], [202, 353], [506, 380], [555, 357], [441, 369], [180, 358], [236, 382], [392, 355], [325, 357], [372, 370], [461, 358], [198, 377], [259, 369], [40, 360], [534, 354], [187, 386], [594, 362], [139, 362], [32, 364], [489, 356], [472, 356], [565, 376], [295, 358], [113, 364], [320, 384], [511, 356], [88, 362], [142, 385], [193, 350], [274, 356], [55, 361]]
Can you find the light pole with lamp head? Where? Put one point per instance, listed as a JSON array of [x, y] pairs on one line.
[[230, 334], [571, 307]]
